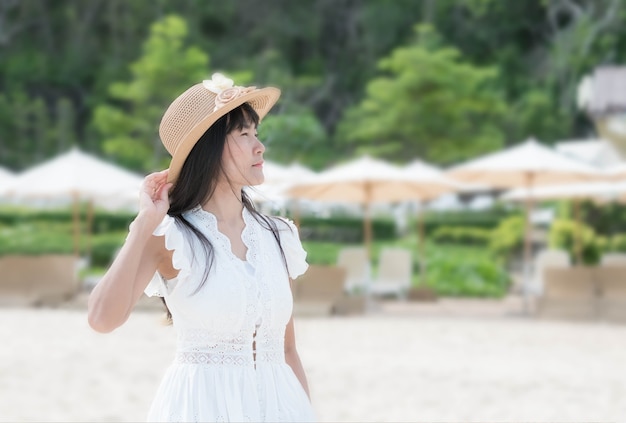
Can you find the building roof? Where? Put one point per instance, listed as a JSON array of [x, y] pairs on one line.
[[603, 92], [597, 152]]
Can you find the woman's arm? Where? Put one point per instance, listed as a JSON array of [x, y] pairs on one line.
[[115, 295], [292, 358]]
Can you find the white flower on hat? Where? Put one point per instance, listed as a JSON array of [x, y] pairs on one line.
[[218, 83]]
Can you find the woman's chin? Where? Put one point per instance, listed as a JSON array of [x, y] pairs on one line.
[[253, 182]]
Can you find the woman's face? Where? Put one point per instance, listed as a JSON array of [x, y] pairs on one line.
[[242, 159]]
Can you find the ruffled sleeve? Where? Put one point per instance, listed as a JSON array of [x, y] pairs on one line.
[[174, 240], [292, 247]]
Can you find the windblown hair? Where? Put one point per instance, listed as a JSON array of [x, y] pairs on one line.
[[198, 179]]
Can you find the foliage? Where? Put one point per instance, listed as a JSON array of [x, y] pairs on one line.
[[566, 234], [60, 59], [103, 220], [345, 229], [616, 243], [166, 69], [486, 219], [409, 113], [36, 238], [462, 235], [104, 247], [605, 219], [461, 276], [452, 270], [507, 239], [295, 136]]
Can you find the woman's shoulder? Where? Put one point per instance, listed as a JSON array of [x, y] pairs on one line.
[[283, 223]]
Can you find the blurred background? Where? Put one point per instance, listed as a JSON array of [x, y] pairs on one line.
[[420, 87]]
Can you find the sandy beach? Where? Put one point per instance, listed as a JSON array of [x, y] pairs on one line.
[[395, 364]]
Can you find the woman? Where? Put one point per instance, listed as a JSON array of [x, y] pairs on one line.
[[222, 269]]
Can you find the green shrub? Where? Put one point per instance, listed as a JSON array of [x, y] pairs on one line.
[[563, 233], [617, 243], [104, 247], [461, 235], [344, 229], [463, 276], [37, 238], [103, 221], [486, 219], [322, 253], [507, 239]]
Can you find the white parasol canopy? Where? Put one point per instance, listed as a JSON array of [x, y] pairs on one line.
[[526, 164], [6, 178], [596, 191], [529, 164], [365, 181], [75, 176]]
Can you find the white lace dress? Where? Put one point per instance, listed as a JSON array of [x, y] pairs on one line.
[[230, 362]]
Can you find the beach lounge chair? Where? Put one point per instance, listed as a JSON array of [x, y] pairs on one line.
[[394, 273], [354, 261], [611, 281], [543, 260], [613, 259], [318, 289], [49, 279], [568, 293]]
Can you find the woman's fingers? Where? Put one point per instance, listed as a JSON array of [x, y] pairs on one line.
[[164, 192], [154, 182], [155, 189]]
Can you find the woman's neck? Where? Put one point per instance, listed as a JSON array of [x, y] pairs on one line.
[[225, 203]]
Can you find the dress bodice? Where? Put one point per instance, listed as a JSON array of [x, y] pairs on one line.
[[236, 315]]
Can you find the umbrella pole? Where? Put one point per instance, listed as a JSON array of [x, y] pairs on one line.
[[527, 244], [420, 240], [367, 231], [367, 222], [578, 251], [76, 223], [296, 213], [367, 239], [89, 227]]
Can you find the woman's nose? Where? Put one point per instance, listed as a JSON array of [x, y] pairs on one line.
[[260, 147]]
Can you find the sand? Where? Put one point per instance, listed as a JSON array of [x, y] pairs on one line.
[[390, 365]]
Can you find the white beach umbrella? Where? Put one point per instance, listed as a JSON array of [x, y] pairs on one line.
[[616, 172], [365, 181], [74, 176], [6, 178], [529, 164], [601, 192], [595, 191]]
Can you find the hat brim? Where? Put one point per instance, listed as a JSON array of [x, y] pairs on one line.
[[261, 100]]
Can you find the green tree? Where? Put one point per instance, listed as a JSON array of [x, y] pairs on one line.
[[129, 125], [428, 103], [295, 136], [65, 124]]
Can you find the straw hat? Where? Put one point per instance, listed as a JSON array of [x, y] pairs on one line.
[[195, 110]]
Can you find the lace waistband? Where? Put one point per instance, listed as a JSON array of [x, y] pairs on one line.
[[247, 358]]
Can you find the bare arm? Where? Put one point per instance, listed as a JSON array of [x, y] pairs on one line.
[[292, 358], [115, 295]]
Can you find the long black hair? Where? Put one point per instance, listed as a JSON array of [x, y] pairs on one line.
[[198, 179]]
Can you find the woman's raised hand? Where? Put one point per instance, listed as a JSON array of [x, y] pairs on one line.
[[154, 198]]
